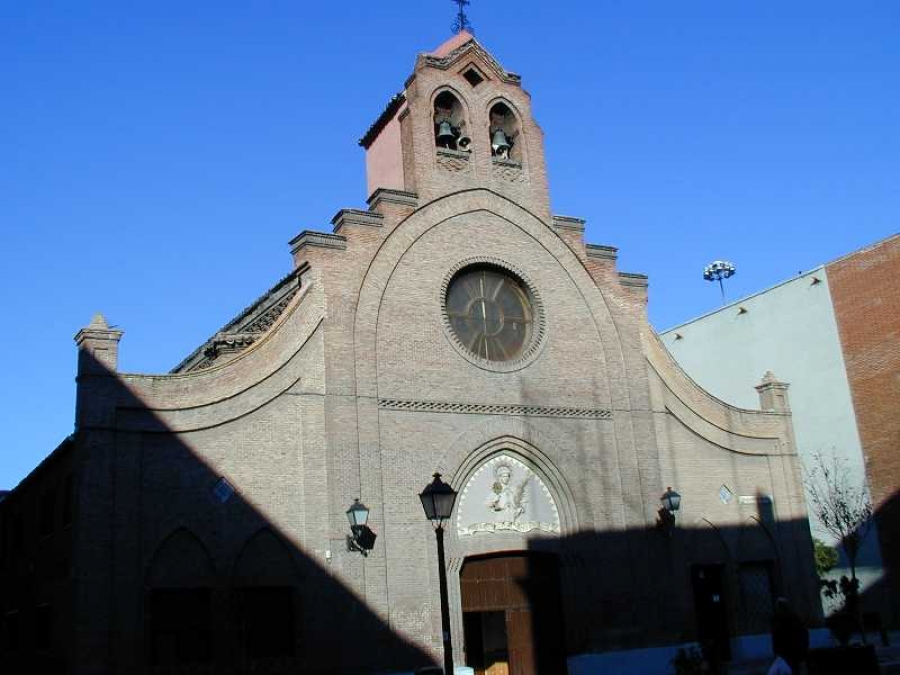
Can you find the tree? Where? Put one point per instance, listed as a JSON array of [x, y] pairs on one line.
[[826, 557], [843, 507]]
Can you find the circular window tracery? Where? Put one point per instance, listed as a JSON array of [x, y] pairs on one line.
[[493, 316]]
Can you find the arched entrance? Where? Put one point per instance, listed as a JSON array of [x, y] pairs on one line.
[[512, 616]]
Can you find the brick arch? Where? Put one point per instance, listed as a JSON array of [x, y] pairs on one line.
[[755, 541], [459, 96], [380, 271], [265, 559], [708, 544], [519, 438], [521, 134], [181, 561], [537, 449]]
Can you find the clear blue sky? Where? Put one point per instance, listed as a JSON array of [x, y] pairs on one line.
[[155, 161]]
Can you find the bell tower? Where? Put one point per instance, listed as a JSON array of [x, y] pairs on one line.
[[461, 122]]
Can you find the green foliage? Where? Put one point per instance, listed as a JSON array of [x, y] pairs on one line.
[[826, 557]]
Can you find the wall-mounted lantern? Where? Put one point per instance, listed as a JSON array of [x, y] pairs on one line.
[[671, 502], [363, 539]]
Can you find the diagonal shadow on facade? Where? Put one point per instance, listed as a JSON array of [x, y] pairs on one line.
[[124, 552]]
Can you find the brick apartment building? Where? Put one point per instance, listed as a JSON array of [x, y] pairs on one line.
[[195, 521], [865, 291], [834, 333]]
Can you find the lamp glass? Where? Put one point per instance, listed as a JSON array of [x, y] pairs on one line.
[[358, 514], [671, 500], [437, 499], [428, 504], [443, 504]]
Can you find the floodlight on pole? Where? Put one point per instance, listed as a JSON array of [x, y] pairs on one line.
[[718, 271]]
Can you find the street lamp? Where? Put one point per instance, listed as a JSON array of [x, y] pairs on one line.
[[437, 500], [362, 539], [717, 271], [671, 502]]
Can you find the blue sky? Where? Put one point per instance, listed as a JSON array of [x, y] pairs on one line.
[[156, 159]]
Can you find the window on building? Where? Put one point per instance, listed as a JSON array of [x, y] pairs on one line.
[[266, 622], [48, 508], [43, 628], [473, 76], [180, 626]]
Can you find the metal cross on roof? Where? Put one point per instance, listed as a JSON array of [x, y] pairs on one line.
[[462, 21]]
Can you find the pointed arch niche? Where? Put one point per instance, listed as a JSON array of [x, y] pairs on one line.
[[510, 496], [265, 589], [178, 610], [181, 561], [506, 495], [503, 118]]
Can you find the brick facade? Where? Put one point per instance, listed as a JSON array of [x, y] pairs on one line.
[[37, 577], [865, 289]]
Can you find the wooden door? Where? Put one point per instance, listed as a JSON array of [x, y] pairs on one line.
[[521, 591]]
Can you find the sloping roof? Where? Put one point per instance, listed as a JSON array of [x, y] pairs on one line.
[[244, 329], [453, 49], [452, 44], [66, 446], [386, 116], [441, 57]]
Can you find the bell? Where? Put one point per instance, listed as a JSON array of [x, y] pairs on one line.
[[499, 143], [445, 136]]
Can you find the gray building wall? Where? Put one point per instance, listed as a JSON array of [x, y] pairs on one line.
[[791, 330]]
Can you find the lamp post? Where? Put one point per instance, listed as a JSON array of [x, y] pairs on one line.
[[717, 271], [671, 502], [437, 500]]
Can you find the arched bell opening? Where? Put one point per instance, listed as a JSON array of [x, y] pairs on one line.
[[504, 133], [450, 123]]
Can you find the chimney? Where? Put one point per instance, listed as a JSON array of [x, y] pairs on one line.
[[773, 394], [98, 347]]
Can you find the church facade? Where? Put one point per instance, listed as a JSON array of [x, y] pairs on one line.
[[455, 326]]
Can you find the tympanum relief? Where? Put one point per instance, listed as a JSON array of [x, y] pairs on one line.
[[505, 495]]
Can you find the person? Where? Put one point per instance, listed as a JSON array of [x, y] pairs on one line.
[[507, 501], [790, 637]]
